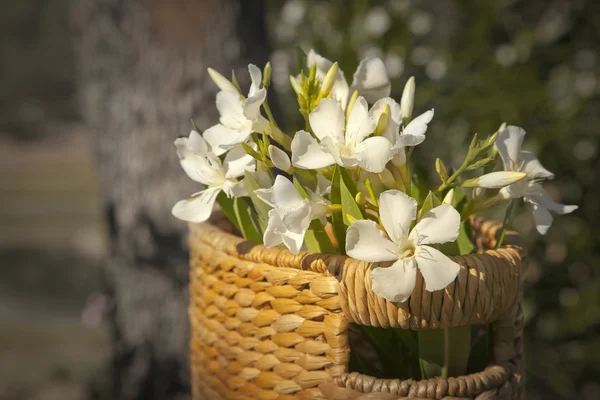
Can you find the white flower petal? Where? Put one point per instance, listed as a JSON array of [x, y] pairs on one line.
[[252, 105], [438, 270], [307, 152], [272, 235], [255, 77], [440, 225], [235, 189], [285, 196], [509, 143], [279, 158], [276, 233], [365, 242], [222, 82], [323, 185], [542, 218], [318, 205], [266, 195], [297, 219], [197, 144], [339, 152], [231, 110], [536, 194], [395, 283], [414, 133], [203, 169], [222, 138], [339, 92], [196, 209], [532, 167], [360, 125], [371, 80], [374, 153], [328, 120], [237, 162], [397, 210], [394, 120]]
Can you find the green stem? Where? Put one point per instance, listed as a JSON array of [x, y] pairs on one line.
[[446, 365], [505, 223], [450, 181], [371, 192], [269, 113]]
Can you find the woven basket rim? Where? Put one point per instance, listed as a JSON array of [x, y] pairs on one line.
[[286, 258]]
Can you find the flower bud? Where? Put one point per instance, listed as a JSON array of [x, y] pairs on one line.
[[279, 158], [351, 103], [267, 76], [383, 122], [495, 180], [296, 86], [407, 102], [440, 168], [329, 81], [222, 82], [449, 198]]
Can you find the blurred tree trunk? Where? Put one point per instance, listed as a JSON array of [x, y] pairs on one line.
[[142, 74]]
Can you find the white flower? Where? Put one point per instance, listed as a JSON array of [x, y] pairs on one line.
[[240, 116], [290, 217], [399, 135], [409, 250], [370, 79], [291, 214], [349, 147], [204, 167], [509, 143]]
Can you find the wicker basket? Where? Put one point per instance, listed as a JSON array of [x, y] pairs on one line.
[[268, 324]]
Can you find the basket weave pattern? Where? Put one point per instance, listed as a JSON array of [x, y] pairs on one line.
[[268, 324]]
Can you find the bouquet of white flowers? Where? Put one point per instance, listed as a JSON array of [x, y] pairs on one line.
[[343, 184]]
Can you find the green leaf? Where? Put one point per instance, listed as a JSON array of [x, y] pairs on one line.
[[226, 205], [480, 348], [481, 163], [348, 195], [247, 219], [465, 244], [252, 152], [444, 352], [431, 201], [393, 357], [317, 240], [337, 219], [262, 209]]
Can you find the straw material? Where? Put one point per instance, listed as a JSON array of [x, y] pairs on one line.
[[268, 324]]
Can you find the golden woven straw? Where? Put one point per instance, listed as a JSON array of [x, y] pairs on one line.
[[267, 324]]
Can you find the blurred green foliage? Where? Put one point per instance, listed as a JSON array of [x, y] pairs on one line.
[[529, 63]]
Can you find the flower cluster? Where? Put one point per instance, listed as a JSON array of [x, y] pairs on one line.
[[343, 184]]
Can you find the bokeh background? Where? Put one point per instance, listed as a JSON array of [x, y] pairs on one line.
[[531, 63]]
